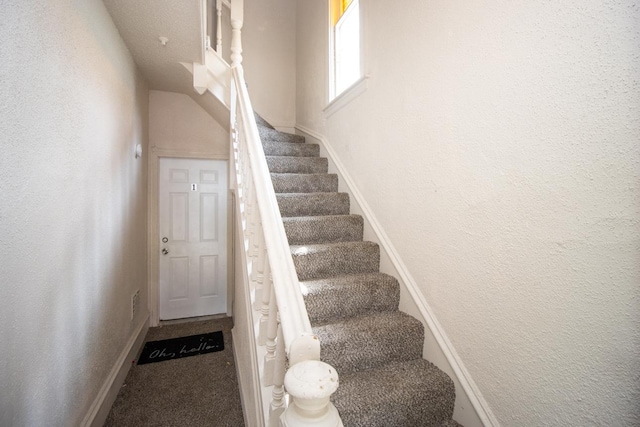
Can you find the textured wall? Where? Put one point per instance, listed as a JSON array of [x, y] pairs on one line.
[[177, 122], [498, 146], [73, 212], [269, 43]]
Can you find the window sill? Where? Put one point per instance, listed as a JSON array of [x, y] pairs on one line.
[[348, 95]]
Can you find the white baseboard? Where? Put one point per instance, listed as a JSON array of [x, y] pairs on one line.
[[99, 409], [471, 408]]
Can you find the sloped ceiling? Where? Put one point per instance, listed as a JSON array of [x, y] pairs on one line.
[[142, 22]]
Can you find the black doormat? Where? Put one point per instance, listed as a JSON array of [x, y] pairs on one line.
[[175, 348]]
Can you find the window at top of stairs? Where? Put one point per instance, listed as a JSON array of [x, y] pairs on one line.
[[345, 58]]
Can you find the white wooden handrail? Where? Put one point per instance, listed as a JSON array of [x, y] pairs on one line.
[[284, 328], [293, 313]]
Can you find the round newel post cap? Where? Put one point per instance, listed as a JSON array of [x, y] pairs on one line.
[[311, 383], [311, 379]]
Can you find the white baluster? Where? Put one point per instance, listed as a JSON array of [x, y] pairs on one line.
[[310, 384], [259, 264], [272, 334], [237, 17], [219, 27], [250, 207], [277, 407], [266, 300], [257, 270]]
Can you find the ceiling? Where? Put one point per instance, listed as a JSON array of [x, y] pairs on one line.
[[142, 22]]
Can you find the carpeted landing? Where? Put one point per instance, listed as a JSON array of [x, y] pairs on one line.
[[193, 391]]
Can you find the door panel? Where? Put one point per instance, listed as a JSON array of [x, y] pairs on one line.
[[193, 220]]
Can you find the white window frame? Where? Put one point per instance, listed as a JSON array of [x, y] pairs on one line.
[[333, 93]]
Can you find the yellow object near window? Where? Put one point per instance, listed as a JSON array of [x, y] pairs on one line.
[[337, 9], [345, 45]]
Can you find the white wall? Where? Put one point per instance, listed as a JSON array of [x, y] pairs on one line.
[[177, 122], [269, 60], [497, 145], [73, 211]]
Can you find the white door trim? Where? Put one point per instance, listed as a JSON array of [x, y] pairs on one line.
[[153, 231]]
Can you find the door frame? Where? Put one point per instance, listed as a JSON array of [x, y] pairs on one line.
[[153, 227]]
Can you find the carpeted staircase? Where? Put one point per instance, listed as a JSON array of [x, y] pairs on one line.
[[376, 349]]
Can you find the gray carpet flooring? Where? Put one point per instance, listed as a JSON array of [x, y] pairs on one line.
[[353, 307], [193, 391]]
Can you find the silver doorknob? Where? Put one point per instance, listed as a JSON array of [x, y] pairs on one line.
[[165, 251]]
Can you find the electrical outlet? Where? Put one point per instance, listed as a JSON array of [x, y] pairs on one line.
[[135, 301]]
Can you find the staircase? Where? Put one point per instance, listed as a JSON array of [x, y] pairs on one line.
[[376, 349]]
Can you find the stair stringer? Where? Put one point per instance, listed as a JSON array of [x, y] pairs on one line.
[[471, 409]]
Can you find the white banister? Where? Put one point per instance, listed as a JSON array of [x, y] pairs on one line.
[[291, 351], [290, 304]]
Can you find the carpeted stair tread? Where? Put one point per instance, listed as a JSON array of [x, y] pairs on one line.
[[311, 204], [369, 341], [273, 148], [350, 296], [376, 349], [413, 394], [269, 134], [306, 230], [290, 164], [334, 259], [304, 183]]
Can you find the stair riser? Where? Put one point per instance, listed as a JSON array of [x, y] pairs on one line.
[[267, 134], [290, 164], [350, 297], [336, 260], [323, 229], [370, 344], [313, 204], [425, 399], [304, 183], [290, 149]]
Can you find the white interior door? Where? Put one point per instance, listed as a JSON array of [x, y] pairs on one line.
[[193, 237]]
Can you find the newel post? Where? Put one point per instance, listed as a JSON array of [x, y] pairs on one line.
[[237, 18], [310, 384]]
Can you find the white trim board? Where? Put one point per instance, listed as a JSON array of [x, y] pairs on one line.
[[99, 409], [471, 409], [349, 94]]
